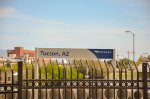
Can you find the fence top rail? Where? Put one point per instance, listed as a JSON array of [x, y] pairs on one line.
[[91, 80]]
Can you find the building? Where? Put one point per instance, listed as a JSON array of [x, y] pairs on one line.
[[20, 52]]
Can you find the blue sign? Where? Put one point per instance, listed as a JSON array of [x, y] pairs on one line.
[[102, 53]]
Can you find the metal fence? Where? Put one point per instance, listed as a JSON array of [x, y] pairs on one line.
[[74, 79]]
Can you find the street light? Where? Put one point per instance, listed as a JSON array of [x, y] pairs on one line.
[[133, 43]]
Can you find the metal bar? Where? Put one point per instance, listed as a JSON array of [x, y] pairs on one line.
[[9, 92], [20, 69], [70, 77], [65, 77], [45, 67], [3, 84], [33, 74], [120, 84], [79, 87], [92, 82], [77, 67], [149, 71], [144, 72], [58, 78], [131, 79], [137, 80], [40, 83], [101, 70], [108, 96], [83, 78], [95, 70], [112, 65], [5, 88], [126, 84], [12, 79], [148, 75], [27, 81], [119, 80], [0, 76], [52, 77], [92, 70], [89, 75], [100, 80]]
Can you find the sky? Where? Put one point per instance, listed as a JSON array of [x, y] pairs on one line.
[[76, 24]]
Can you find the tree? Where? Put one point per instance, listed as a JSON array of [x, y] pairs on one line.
[[124, 63], [143, 59]]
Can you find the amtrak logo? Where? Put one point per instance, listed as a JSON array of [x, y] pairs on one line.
[[102, 52], [96, 51]]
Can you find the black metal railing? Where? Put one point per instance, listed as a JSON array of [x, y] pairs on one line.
[[74, 79], [11, 89]]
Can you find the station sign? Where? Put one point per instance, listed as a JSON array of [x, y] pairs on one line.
[[74, 53]]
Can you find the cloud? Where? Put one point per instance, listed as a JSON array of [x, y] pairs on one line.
[[6, 12], [37, 20], [9, 12]]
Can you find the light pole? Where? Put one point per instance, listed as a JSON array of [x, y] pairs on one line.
[[133, 43]]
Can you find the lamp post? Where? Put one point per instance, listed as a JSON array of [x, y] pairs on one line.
[[133, 43]]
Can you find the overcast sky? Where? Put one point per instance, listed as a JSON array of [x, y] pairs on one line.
[[75, 24]]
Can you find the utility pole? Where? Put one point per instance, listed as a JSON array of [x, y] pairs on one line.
[[128, 55], [117, 56]]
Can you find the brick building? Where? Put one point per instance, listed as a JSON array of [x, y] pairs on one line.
[[20, 52]]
